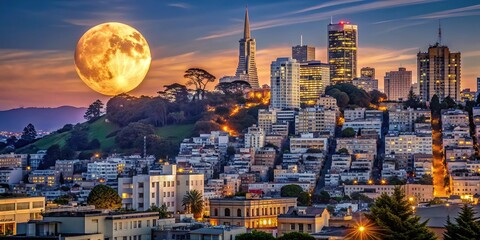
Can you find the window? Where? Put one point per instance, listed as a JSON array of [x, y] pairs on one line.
[[186, 182], [140, 195], [139, 224], [154, 223], [227, 212], [300, 227], [140, 185], [134, 224], [309, 227], [115, 226], [38, 204], [148, 223], [120, 225], [153, 195], [173, 194], [168, 184], [292, 226], [215, 212], [24, 205], [178, 182], [239, 212], [7, 207], [153, 184]]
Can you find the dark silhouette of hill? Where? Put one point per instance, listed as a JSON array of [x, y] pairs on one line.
[[47, 119]]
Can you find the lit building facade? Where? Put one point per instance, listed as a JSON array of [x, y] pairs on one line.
[[367, 72], [342, 51], [397, 84], [17, 210], [249, 212], [285, 83], [314, 78], [247, 68], [315, 119], [439, 73]]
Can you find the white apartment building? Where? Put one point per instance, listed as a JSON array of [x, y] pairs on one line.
[[315, 119], [403, 120], [291, 174], [266, 118], [285, 83], [255, 137], [44, 177], [341, 162], [107, 170], [419, 193], [453, 118], [354, 114], [276, 187], [364, 124], [408, 143], [465, 184], [357, 144], [11, 175], [167, 186], [328, 102], [308, 141]]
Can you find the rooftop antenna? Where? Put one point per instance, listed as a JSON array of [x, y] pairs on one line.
[[439, 33], [331, 19], [301, 40]]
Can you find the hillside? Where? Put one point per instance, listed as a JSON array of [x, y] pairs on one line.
[[105, 131], [46, 119]]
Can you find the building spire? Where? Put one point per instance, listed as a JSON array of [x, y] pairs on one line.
[[439, 33], [246, 28]]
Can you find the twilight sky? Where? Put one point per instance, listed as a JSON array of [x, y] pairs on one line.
[[39, 37]]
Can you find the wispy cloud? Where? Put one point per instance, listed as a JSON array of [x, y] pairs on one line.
[[179, 5], [285, 21], [457, 12], [324, 5]]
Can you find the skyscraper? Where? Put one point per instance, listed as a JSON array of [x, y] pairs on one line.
[[478, 84], [303, 53], [397, 84], [342, 51], [247, 69], [285, 83], [314, 78], [439, 72]]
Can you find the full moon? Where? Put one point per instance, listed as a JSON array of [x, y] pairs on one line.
[[112, 58]]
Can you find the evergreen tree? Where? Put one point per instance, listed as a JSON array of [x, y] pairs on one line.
[[104, 197], [29, 133], [94, 111], [394, 218], [467, 226]]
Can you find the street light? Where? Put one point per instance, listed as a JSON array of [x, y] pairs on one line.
[[361, 229]]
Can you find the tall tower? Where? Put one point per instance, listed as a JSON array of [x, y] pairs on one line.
[[285, 83], [247, 69], [342, 51], [439, 72]]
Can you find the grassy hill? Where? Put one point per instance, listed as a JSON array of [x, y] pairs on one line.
[[104, 131]]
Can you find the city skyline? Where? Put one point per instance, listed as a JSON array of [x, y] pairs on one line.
[[37, 54]]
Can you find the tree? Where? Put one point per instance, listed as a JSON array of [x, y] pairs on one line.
[[296, 236], [175, 93], [435, 105], [394, 218], [53, 153], [377, 96], [94, 144], [348, 132], [63, 200], [304, 199], [467, 226], [291, 190], [94, 111], [342, 151], [177, 117], [29, 133], [193, 203], [132, 133], [426, 179], [162, 210], [323, 197], [104, 197], [200, 79], [78, 139], [256, 235], [61, 179]]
